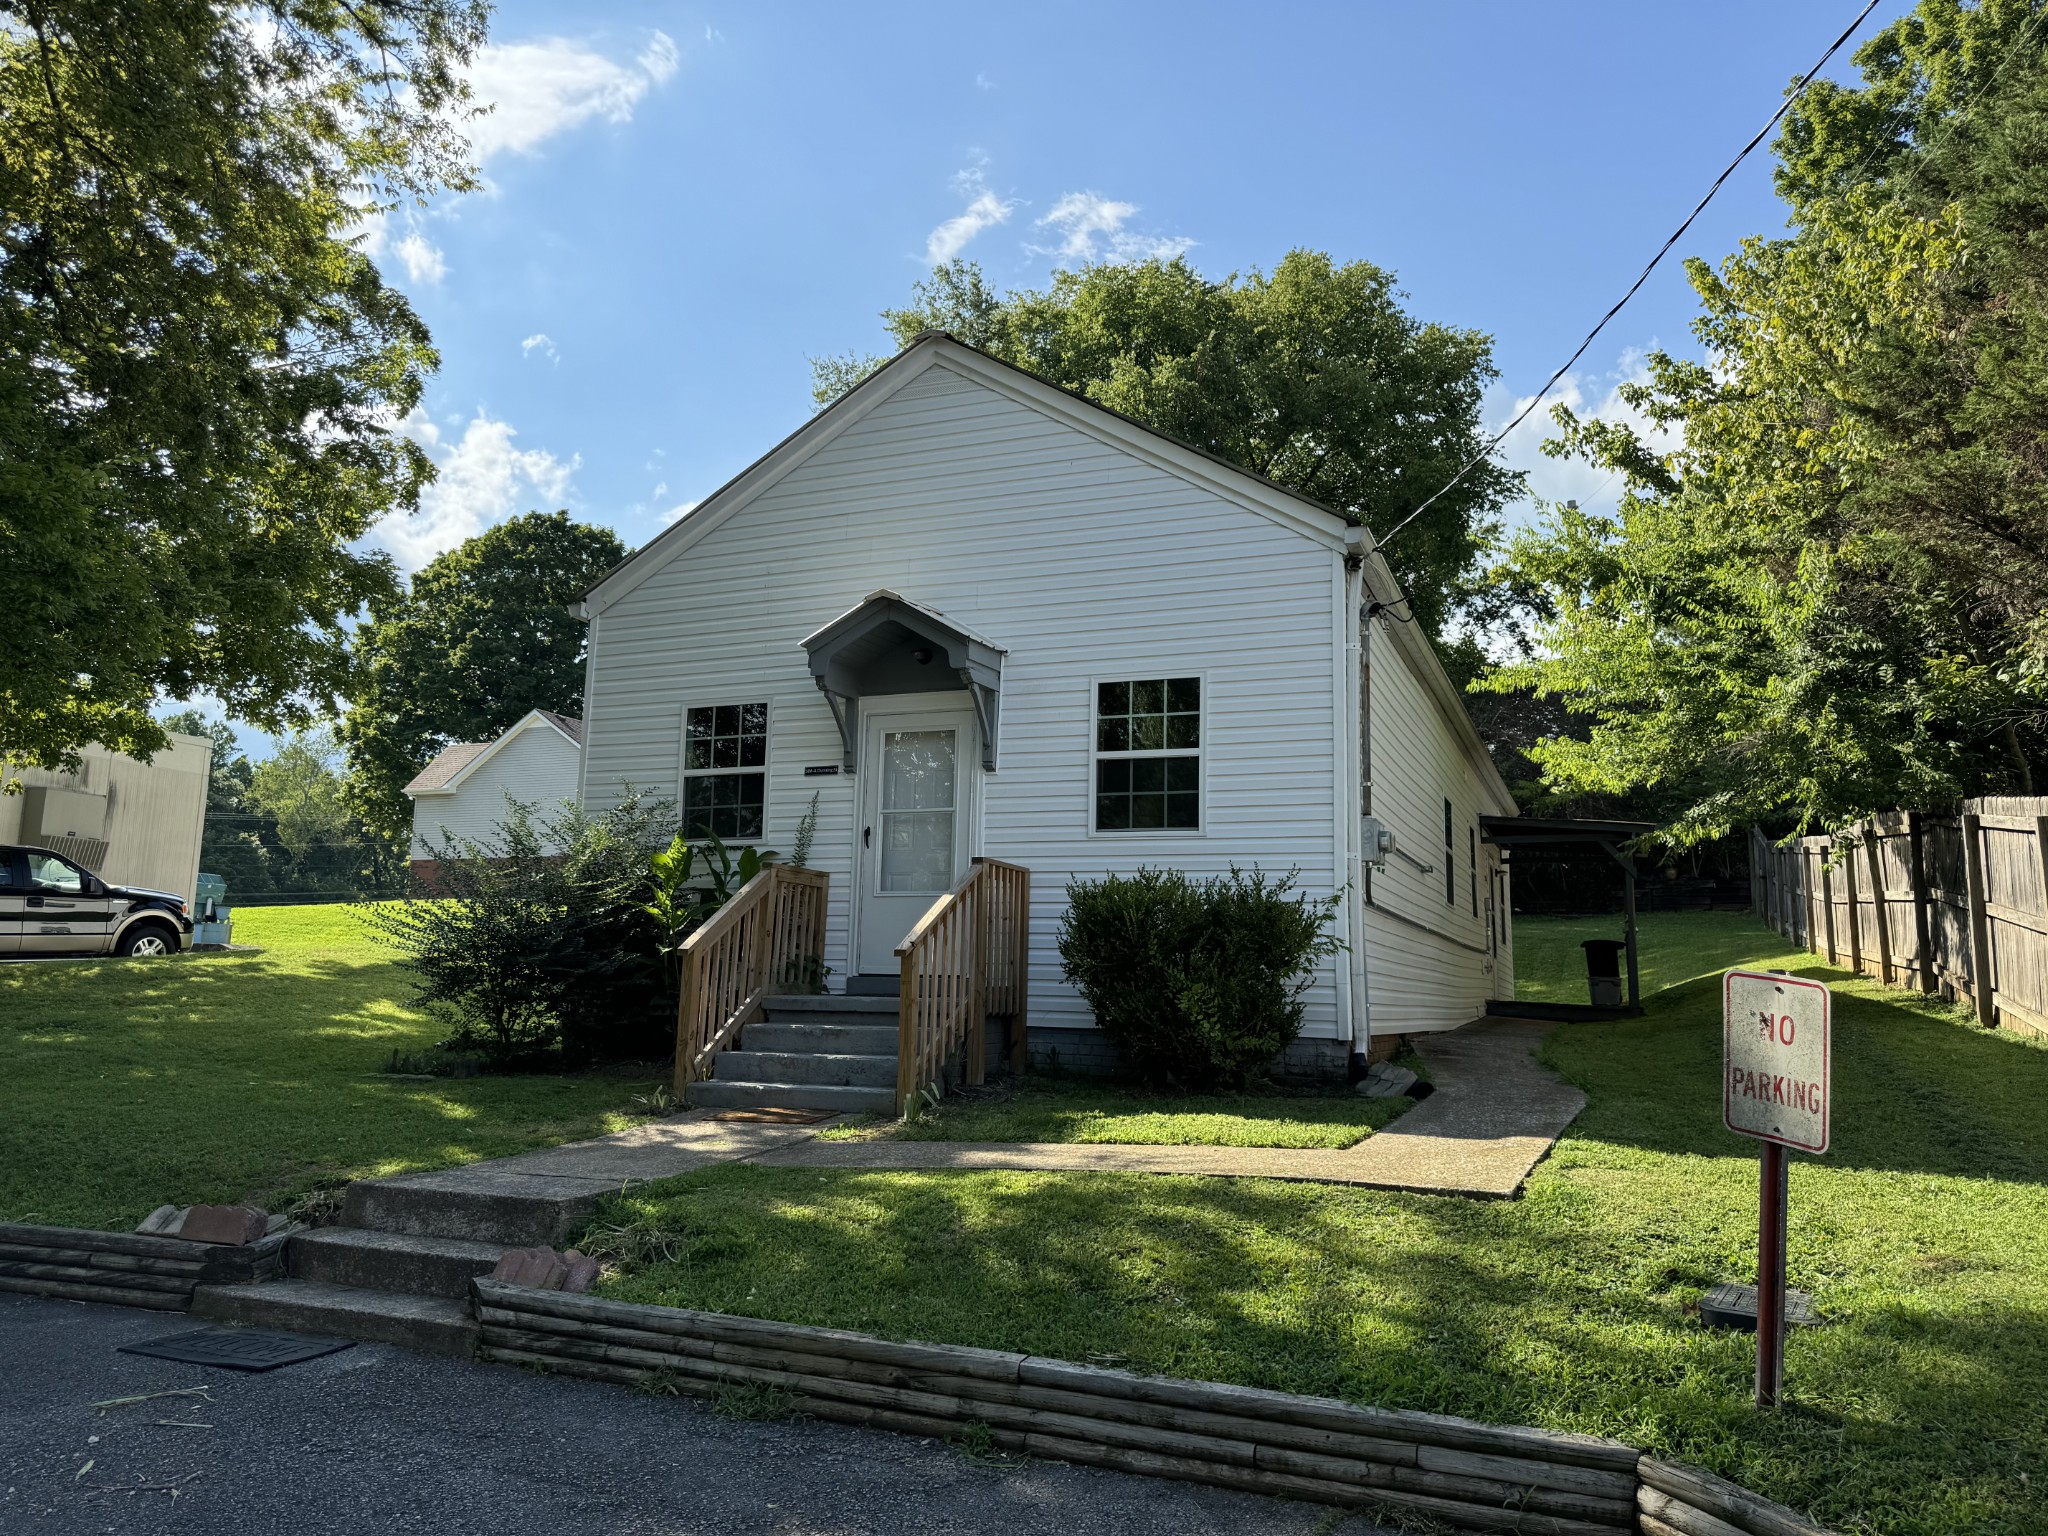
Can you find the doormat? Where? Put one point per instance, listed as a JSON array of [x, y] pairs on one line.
[[776, 1116], [238, 1349]]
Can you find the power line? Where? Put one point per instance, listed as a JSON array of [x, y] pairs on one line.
[[1664, 250]]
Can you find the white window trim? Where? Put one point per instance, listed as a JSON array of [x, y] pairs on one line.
[[1143, 675], [684, 773]]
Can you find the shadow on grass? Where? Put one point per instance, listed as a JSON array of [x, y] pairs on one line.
[[1917, 1087], [1528, 1312]]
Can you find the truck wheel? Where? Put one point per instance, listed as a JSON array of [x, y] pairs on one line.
[[146, 940]]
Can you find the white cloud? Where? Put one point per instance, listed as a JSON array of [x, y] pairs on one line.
[[540, 342], [680, 509], [421, 258], [1587, 394], [984, 211], [982, 82], [483, 480], [1090, 227], [540, 89]]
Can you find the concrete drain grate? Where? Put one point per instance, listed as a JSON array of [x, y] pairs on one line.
[[237, 1349]]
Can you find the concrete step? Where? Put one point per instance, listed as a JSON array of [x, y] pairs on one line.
[[470, 1205], [829, 1039], [810, 1067], [434, 1325], [721, 1093], [828, 1008], [390, 1261]]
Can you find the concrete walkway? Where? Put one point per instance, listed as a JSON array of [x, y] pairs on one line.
[[1493, 1116]]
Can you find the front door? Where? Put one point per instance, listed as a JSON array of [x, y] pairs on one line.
[[917, 764]]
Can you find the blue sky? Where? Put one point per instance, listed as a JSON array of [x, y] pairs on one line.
[[685, 202]]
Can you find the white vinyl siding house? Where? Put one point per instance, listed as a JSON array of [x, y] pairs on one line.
[[463, 794], [1088, 564]]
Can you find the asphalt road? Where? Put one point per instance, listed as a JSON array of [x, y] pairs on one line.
[[375, 1439]]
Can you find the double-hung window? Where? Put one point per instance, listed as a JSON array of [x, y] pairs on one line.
[[1148, 755], [725, 771]]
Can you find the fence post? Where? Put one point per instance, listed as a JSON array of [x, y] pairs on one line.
[[1980, 921], [1916, 874], [1855, 917], [1827, 900], [1873, 847]]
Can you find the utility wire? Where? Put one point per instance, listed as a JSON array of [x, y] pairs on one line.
[[1664, 250]]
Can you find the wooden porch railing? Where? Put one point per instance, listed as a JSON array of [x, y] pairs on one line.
[[770, 937], [965, 959]]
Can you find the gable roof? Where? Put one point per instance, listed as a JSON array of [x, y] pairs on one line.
[[933, 348], [444, 775]]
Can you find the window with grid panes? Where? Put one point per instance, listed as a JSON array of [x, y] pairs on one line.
[[725, 778], [1148, 755]]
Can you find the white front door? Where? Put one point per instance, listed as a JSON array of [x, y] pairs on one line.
[[918, 760]]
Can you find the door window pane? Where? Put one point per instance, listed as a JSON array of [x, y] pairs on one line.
[[920, 771], [46, 873]]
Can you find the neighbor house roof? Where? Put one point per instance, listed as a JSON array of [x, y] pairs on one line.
[[454, 764]]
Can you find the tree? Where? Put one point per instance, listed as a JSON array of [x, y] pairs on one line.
[[1832, 596], [1312, 375], [200, 368], [485, 635], [300, 789]]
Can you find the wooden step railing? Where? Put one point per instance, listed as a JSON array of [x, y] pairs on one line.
[[965, 960], [770, 937]]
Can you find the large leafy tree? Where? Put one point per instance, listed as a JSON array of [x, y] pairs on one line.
[[486, 634], [1831, 595], [1312, 375], [200, 369]]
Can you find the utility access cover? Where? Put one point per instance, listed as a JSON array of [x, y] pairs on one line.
[[237, 1349]]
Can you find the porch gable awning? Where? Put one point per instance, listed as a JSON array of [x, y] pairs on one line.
[[887, 644]]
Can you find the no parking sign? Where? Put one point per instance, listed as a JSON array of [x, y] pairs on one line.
[[1775, 1084]]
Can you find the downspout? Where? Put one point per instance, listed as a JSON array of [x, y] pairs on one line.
[[1356, 799], [583, 611]]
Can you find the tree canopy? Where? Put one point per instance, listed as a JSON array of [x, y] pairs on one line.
[[485, 634], [1828, 593], [1312, 375], [201, 372]]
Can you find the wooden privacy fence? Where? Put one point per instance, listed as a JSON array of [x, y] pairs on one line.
[[963, 961], [770, 937], [1949, 902]]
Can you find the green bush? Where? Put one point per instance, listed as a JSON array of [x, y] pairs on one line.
[[544, 959], [1198, 983]]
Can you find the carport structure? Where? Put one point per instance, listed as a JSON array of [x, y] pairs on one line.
[[1524, 837]]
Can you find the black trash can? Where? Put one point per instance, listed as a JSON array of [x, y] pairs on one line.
[[1603, 970]]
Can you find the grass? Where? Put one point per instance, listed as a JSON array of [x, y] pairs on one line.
[[1047, 1108], [1921, 1408], [1671, 947], [233, 1077]]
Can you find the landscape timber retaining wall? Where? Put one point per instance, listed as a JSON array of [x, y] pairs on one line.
[[128, 1269], [1484, 1477]]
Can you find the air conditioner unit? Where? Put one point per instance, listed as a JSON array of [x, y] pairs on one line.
[[49, 814], [1377, 843]]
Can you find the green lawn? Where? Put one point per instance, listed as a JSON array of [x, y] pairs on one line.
[[125, 1084], [1671, 947], [1921, 1409], [1043, 1108]]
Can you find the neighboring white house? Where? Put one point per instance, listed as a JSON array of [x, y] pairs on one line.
[[129, 822], [462, 793], [974, 614]]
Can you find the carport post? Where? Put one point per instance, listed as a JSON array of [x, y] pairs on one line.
[[1628, 898]]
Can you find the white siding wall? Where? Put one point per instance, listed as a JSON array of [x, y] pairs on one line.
[[156, 811], [538, 767], [1430, 962], [1084, 560]]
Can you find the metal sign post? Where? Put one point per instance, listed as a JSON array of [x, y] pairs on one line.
[[1776, 1086]]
